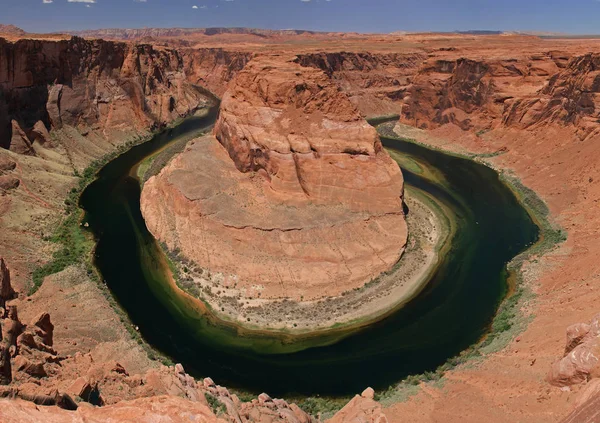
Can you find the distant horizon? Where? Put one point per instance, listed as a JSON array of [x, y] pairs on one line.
[[465, 32], [550, 16]]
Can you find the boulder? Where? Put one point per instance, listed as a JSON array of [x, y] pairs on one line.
[[86, 390], [6, 164], [39, 134], [44, 329], [9, 182], [368, 393], [360, 410], [580, 361], [29, 367], [19, 142]]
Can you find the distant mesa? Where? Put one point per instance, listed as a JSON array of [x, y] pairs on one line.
[[11, 29]]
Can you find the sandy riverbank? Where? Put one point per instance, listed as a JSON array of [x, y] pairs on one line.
[[429, 229]]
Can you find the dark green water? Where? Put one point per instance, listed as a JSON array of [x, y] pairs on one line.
[[453, 311]]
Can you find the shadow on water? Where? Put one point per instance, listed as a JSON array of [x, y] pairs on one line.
[[453, 312]]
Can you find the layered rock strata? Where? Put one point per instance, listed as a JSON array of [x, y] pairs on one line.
[[96, 86], [580, 362], [296, 199]]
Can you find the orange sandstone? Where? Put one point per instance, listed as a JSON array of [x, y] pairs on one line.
[[298, 200]]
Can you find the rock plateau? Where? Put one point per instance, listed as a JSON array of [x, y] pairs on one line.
[[296, 199]]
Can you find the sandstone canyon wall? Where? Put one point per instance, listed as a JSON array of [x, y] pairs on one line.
[[213, 68], [375, 82], [299, 198], [110, 88], [532, 102]]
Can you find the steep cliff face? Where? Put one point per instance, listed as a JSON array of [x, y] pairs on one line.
[[298, 200], [213, 68], [6, 290], [92, 85], [375, 83], [571, 98], [471, 93]]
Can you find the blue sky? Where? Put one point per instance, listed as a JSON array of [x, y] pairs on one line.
[[574, 16]]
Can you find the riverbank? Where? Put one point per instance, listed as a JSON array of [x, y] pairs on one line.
[[430, 229], [516, 312], [73, 255], [138, 276]]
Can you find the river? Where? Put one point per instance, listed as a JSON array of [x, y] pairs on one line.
[[449, 315]]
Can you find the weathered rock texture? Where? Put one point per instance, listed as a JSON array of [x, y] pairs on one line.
[[144, 410], [361, 409], [571, 98], [582, 355], [298, 199], [213, 68], [375, 83], [6, 290], [108, 87]]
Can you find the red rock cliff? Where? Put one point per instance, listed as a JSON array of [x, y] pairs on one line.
[[302, 201], [93, 85]]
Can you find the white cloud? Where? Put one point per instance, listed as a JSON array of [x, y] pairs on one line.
[[81, 1], [194, 7], [47, 1], [140, 1]]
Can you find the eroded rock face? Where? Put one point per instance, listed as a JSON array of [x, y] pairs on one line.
[[375, 83], [19, 142], [213, 68], [93, 85], [582, 353], [6, 290], [299, 199]]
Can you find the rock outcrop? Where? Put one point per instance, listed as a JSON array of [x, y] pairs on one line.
[[213, 68], [582, 355], [6, 290], [142, 410], [19, 142], [299, 199], [106, 87], [361, 409], [571, 98]]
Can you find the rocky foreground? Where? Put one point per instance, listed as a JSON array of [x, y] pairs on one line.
[[293, 197]]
